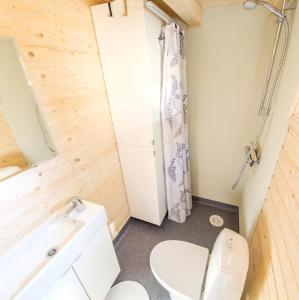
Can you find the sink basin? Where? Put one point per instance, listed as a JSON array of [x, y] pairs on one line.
[[34, 253], [43, 256]]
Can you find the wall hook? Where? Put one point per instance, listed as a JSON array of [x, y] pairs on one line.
[[110, 9], [125, 14]]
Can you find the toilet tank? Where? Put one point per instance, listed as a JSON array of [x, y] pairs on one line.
[[227, 268]]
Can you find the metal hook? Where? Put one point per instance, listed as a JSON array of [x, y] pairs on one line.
[[110, 9], [125, 14]]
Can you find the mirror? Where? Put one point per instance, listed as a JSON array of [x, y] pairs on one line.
[[24, 139]]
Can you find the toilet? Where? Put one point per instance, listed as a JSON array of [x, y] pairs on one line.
[[183, 269], [127, 290]]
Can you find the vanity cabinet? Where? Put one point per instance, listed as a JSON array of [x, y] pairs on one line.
[[67, 288], [91, 275], [132, 71]]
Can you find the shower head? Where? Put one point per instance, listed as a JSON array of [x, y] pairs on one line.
[[252, 4]]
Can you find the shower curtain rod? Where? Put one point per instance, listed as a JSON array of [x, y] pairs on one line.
[[158, 12]]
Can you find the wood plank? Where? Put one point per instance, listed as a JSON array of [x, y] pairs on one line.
[[294, 125], [290, 172], [95, 2], [289, 199], [189, 11], [275, 262], [264, 248], [253, 288], [212, 3], [287, 237], [291, 148], [285, 263], [258, 265]]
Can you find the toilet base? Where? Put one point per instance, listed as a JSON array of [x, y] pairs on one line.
[[174, 296], [178, 297], [127, 290]]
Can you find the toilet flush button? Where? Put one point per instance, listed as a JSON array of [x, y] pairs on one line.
[[230, 243]]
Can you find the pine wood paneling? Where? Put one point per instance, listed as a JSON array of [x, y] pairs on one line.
[[188, 10], [274, 249], [212, 3], [10, 153], [57, 40]]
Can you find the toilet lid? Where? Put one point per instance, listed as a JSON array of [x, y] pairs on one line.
[[180, 267], [127, 290]]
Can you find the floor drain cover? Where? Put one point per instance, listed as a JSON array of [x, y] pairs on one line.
[[216, 221]]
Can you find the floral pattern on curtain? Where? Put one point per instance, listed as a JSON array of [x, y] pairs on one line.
[[174, 124]]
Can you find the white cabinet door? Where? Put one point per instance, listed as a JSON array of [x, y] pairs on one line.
[[98, 266], [138, 166], [124, 60], [67, 288]]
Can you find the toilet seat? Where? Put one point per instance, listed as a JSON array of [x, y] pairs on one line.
[[180, 267], [127, 290]]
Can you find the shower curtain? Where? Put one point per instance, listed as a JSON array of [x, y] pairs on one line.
[[174, 124]]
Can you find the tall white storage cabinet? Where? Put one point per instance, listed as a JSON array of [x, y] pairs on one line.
[[131, 59]]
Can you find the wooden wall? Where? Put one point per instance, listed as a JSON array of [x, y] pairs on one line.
[[274, 248], [57, 40], [10, 153]]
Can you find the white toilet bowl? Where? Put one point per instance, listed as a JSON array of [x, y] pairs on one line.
[[127, 290], [180, 267]]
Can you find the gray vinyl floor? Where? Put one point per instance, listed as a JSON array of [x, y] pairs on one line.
[[135, 243]]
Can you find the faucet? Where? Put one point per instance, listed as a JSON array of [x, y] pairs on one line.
[[76, 204]]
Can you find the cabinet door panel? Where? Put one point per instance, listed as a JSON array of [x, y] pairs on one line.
[[138, 166], [125, 68], [131, 114], [98, 267], [67, 288]]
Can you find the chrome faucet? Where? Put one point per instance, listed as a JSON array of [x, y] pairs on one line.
[[76, 204]]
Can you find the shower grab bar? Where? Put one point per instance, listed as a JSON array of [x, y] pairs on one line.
[[241, 171]]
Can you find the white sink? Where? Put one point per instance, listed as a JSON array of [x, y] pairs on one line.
[[43, 256]]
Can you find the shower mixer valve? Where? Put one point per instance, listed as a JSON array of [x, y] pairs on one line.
[[254, 154]]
